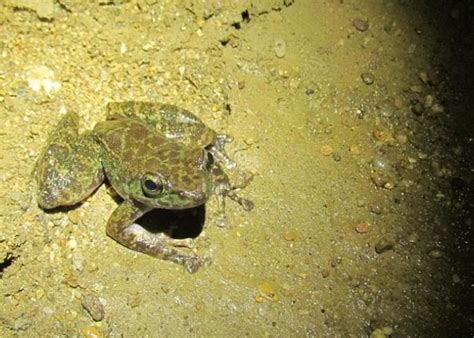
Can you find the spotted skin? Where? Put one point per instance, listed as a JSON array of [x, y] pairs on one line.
[[154, 156]]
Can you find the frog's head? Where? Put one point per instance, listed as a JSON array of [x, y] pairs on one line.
[[175, 179]]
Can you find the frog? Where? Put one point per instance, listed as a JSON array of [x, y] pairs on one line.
[[154, 156]]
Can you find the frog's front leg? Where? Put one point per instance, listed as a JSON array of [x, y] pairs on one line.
[[121, 227]]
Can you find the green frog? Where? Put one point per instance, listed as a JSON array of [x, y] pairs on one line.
[[154, 156]]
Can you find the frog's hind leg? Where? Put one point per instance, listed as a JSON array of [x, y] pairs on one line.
[[121, 227], [68, 169]]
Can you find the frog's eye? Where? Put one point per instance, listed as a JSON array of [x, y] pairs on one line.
[[152, 185]]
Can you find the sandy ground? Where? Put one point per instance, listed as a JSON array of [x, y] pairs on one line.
[[350, 114]]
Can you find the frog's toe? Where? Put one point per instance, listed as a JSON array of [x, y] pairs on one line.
[[192, 264], [247, 204]]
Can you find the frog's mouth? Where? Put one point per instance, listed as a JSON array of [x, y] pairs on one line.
[[178, 224]]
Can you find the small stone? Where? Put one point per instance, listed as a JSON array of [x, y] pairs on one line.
[[41, 79], [92, 304], [325, 273], [354, 149], [422, 156], [336, 157], [383, 245], [436, 253], [335, 261], [417, 109], [289, 236], [309, 91], [384, 136], [71, 244], [437, 108], [423, 77], [360, 24], [367, 78], [362, 228], [73, 216], [398, 103], [241, 85], [91, 332], [268, 292], [428, 102], [280, 48], [326, 150], [402, 139], [416, 89]]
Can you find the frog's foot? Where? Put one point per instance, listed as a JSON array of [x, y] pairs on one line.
[[246, 204], [159, 245]]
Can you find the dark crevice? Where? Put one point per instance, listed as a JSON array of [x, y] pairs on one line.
[[7, 262]]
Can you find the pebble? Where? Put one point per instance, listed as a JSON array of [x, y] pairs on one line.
[[325, 273], [280, 48], [384, 136], [362, 228], [437, 108], [428, 102], [354, 149], [436, 253], [423, 77], [41, 79], [267, 292], [380, 162], [326, 150], [398, 103], [73, 216], [289, 236], [416, 89], [417, 109], [92, 332], [360, 24], [92, 304], [336, 157], [367, 78], [383, 245], [382, 333], [309, 91]]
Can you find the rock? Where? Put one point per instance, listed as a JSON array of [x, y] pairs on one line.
[[289, 236], [437, 108], [423, 77], [44, 8], [267, 292], [280, 48], [336, 157], [41, 78], [383, 245], [326, 150], [362, 228], [367, 78], [417, 109], [92, 304], [436, 253], [360, 24]]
